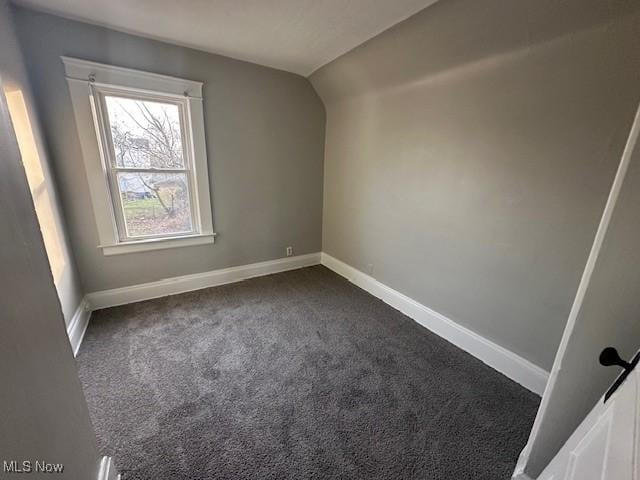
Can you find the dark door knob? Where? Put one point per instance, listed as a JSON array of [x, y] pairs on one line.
[[610, 357]]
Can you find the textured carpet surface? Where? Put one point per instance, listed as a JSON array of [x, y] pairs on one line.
[[299, 375]]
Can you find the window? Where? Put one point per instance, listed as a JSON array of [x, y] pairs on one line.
[[142, 134], [148, 166]]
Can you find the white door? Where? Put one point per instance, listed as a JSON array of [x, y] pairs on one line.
[[606, 445]]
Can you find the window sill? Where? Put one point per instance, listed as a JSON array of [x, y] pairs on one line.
[[157, 244]]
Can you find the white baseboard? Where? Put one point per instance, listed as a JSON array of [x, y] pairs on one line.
[[508, 363], [196, 281], [520, 476], [78, 325], [107, 470]]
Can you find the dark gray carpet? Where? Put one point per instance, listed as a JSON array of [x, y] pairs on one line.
[[299, 375]]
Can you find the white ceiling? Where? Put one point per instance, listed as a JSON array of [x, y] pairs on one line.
[[295, 35]]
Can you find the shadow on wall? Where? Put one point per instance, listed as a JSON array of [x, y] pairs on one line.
[[531, 25], [484, 65], [35, 176]]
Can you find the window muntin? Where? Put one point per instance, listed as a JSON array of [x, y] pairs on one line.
[[149, 171]]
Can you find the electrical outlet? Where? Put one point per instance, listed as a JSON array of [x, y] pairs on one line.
[[289, 251]]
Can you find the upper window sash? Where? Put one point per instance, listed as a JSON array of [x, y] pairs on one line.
[[100, 91]]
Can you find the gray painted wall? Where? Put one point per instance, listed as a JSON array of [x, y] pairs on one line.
[[265, 140], [44, 414], [609, 316], [469, 153], [16, 82]]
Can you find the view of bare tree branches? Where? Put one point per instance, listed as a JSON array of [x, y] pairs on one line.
[[157, 145], [147, 139]]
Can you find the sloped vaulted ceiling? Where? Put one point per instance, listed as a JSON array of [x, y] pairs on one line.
[[294, 35]]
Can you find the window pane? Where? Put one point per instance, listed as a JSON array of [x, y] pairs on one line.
[[155, 203], [145, 134]]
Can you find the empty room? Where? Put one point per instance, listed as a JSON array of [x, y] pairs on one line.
[[330, 239]]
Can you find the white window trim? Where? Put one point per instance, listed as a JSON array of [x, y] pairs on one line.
[[81, 75]]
